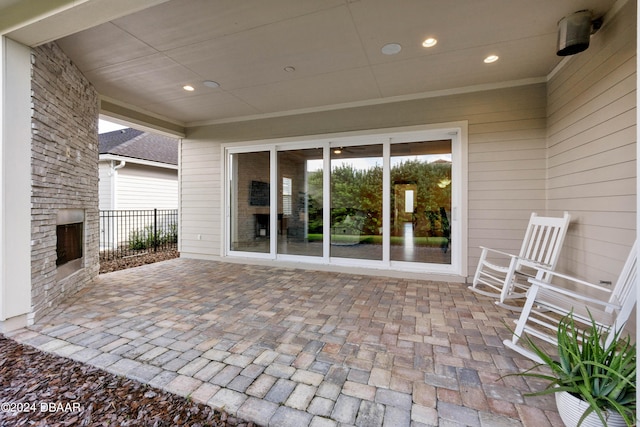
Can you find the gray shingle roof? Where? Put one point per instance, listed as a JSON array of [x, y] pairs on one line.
[[140, 145]]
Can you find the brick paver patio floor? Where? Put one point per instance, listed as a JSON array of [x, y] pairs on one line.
[[289, 347]]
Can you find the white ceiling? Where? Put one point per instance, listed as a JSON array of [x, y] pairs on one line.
[[142, 60]]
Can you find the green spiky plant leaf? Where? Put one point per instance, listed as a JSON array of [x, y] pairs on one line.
[[602, 375]]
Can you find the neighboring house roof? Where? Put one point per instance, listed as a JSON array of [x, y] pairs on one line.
[[141, 145]]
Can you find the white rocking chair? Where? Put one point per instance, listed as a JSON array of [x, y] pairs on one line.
[[546, 303], [504, 276]]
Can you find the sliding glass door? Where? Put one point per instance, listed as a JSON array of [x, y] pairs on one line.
[[385, 202]]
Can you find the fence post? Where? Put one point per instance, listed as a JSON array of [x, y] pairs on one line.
[[155, 230]]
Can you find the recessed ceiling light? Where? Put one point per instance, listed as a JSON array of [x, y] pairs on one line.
[[211, 84], [289, 69], [430, 42], [391, 48], [188, 88], [491, 58]]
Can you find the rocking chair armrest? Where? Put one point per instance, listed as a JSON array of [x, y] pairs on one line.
[[507, 254], [572, 294], [529, 262], [549, 273]]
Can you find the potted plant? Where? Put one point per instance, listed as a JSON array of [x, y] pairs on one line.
[[596, 380]]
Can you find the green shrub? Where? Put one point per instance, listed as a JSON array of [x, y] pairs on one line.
[[146, 238]]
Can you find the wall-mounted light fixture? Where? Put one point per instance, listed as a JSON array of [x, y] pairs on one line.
[[574, 32]]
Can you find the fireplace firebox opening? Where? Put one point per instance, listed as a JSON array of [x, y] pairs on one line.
[[69, 241]]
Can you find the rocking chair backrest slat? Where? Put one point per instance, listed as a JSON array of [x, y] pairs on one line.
[[541, 243], [534, 250], [553, 239], [524, 250], [542, 247]]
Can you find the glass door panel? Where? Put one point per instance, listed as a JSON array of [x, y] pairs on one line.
[[421, 202], [250, 202], [300, 202], [356, 202]]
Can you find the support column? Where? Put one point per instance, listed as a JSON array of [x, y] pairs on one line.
[[15, 185]]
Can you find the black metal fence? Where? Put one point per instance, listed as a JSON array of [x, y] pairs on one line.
[[136, 232]]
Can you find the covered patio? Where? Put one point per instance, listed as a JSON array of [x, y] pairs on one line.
[[281, 346], [249, 87]]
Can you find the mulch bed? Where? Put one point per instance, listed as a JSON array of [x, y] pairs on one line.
[[137, 260], [42, 389]]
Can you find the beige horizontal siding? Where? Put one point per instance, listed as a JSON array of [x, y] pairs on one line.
[[605, 189], [502, 175], [200, 194], [595, 147], [495, 146], [486, 187], [591, 123]]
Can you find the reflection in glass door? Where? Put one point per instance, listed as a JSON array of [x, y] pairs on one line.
[[421, 202], [250, 202], [300, 202], [356, 202]]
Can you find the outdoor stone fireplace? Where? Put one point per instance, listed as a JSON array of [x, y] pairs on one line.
[[64, 173]]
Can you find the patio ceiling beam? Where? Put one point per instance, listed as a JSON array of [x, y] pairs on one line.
[[35, 22], [130, 116]]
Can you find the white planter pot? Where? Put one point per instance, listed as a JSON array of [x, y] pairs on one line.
[[571, 409]]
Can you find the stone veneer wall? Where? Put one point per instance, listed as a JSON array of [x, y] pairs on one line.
[[64, 166]]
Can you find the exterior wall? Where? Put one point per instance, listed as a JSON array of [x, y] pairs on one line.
[[200, 212], [506, 166], [146, 187], [592, 149], [65, 171], [137, 187]]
